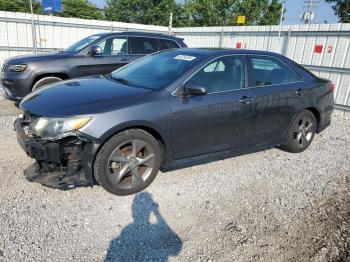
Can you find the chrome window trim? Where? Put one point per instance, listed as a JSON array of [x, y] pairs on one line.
[[253, 87], [153, 37], [278, 84]]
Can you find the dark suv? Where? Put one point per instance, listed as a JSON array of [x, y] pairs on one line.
[[97, 54]]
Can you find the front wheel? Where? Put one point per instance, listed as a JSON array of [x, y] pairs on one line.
[[128, 162], [301, 133], [45, 81]]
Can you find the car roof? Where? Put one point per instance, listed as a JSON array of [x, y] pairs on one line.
[[145, 34], [212, 52]]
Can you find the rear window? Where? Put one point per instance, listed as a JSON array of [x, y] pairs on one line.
[[305, 70], [167, 44], [144, 45], [271, 71]]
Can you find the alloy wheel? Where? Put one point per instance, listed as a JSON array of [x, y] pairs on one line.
[[131, 164], [303, 131]]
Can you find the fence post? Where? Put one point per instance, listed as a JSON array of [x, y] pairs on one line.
[[170, 29], [221, 38], [269, 41], [286, 42], [33, 27]]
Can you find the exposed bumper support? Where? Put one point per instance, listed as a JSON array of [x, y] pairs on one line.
[[56, 179], [61, 164]]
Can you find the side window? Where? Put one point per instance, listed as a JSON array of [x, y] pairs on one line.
[[215, 67], [144, 45], [270, 71], [223, 74], [119, 46], [167, 44], [114, 46]]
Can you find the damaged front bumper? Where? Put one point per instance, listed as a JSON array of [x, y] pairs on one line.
[[61, 164]]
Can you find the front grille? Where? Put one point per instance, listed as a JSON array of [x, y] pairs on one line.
[[4, 68]]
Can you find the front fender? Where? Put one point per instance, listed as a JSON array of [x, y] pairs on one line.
[[160, 134], [129, 125]]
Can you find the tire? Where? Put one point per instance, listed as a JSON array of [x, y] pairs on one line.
[[45, 81], [301, 133], [124, 159]]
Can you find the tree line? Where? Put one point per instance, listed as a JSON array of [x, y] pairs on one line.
[[156, 12], [185, 13]]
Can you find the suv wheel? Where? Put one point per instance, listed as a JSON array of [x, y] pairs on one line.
[[128, 162], [45, 81], [301, 133]]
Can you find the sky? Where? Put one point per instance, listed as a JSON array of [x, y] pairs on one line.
[[294, 10]]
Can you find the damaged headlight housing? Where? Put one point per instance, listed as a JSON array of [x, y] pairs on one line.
[[55, 128]]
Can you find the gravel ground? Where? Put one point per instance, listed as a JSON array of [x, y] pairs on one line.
[[269, 205]]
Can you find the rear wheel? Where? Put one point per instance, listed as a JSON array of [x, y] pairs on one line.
[[301, 133], [45, 81], [128, 162]]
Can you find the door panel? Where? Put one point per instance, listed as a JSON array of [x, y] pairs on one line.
[[277, 96], [98, 65], [210, 123], [219, 120], [275, 108], [114, 55]]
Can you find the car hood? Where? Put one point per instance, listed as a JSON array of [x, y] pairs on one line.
[[37, 57], [83, 96]]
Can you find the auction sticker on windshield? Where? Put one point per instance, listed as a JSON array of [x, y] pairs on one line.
[[185, 57]]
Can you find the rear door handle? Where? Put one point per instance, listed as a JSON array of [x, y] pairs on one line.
[[300, 92], [246, 99]]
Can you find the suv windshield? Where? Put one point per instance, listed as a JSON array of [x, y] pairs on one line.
[[81, 44], [156, 71]]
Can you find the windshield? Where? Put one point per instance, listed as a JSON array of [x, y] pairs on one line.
[[81, 44], [156, 71]]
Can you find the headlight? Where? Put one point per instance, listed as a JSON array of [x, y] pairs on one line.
[[54, 128], [17, 68]]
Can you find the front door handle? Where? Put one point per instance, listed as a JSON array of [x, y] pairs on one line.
[[300, 92], [246, 99]]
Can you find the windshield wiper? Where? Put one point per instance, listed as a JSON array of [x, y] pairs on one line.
[[122, 80]]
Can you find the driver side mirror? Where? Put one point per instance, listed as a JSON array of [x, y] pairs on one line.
[[95, 50], [193, 90]]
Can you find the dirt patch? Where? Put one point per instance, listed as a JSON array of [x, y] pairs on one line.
[[8, 108], [320, 233]]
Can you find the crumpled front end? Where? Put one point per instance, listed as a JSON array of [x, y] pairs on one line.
[[62, 164]]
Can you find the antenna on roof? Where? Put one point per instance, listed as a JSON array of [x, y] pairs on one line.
[[308, 15]]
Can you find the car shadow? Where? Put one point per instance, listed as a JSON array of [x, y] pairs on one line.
[[143, 240]]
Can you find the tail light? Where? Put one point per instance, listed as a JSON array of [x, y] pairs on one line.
[[331, 87]]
